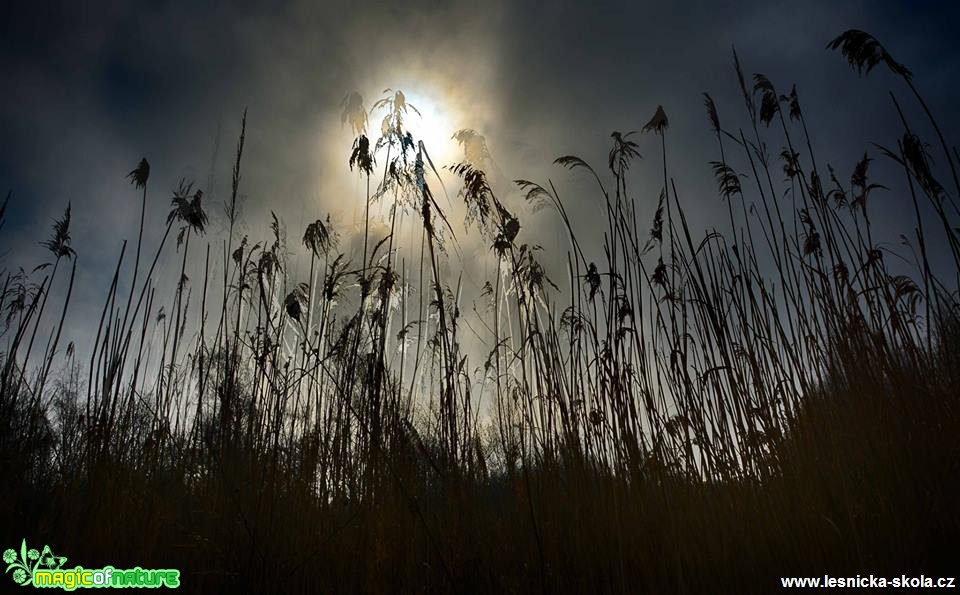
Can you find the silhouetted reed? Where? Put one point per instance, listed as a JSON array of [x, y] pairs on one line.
[[697, 411]]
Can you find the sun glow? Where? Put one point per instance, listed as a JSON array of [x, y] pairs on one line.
[[434, 126], [431, 117]]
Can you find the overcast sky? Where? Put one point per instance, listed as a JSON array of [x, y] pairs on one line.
[[90, 88]]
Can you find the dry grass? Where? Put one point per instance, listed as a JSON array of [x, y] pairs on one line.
[[697, 413]]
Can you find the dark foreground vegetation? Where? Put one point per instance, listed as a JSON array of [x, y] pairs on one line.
[[694, 413]]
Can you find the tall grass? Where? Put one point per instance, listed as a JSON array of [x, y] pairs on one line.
[[696, 412]]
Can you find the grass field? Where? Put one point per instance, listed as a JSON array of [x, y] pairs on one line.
[[701, 411]]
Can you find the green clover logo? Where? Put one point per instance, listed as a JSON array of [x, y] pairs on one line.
[[27, 561]]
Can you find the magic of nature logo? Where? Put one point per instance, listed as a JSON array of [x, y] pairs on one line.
[[44, 569]]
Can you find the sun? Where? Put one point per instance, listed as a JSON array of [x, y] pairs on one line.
[[434, 126]]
